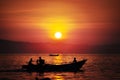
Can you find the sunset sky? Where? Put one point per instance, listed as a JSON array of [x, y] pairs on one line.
[[80, 21]]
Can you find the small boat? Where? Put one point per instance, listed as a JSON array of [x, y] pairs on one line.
[[70, 67], [54, 55]]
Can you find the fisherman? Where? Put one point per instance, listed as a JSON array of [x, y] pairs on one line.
[[74, 61], [41, 61], [37, 61], [30, 62]]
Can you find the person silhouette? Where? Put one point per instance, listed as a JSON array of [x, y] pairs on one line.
[[74, 61], [30, 62], [37, 61], [41, 61]]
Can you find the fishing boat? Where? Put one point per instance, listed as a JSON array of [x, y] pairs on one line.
[[69, 67], [54, 55]]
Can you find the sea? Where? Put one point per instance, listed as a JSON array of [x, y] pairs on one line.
[[97, 67]]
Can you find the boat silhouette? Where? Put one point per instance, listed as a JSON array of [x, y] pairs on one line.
[[70, 67], [53, 54]]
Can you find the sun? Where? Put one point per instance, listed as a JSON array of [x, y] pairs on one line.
[[58, 35]]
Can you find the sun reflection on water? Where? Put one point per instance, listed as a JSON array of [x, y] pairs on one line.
[[57, 77], [58, 60]]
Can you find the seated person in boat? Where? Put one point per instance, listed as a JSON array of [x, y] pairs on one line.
[[40, 61], [74, 61], [30, 62]]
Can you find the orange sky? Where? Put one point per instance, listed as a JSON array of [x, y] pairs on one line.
[[80, 21]]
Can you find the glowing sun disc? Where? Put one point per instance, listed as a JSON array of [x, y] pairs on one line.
[[58, 35]]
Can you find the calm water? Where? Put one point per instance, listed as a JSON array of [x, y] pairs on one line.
[[98, 67]]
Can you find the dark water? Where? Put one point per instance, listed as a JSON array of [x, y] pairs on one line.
[[98, 67]]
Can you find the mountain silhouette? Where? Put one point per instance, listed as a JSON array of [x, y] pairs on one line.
[[7, 46]]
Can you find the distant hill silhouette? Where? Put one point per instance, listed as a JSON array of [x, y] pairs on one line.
[[7, 46], [107, 48]]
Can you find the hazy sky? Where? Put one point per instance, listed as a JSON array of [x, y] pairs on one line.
[[80, 21]]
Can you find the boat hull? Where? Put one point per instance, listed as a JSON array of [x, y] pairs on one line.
[[48, 67], [54, 55]]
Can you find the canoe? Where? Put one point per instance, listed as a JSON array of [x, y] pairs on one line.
[[70, 67], [54, 55]]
